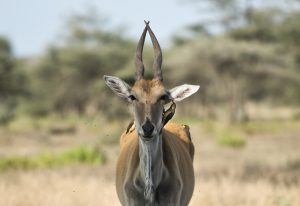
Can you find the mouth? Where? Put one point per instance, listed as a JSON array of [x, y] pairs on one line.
[[147, 138]]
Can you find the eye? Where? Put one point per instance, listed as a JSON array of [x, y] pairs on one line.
[[132, 97], [165, 97]]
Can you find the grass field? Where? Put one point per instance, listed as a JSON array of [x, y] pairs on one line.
[[253, 164]]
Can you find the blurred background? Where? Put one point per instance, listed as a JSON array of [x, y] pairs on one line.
[[60, 125]]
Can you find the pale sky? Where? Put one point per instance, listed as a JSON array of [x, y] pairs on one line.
[[31, 25]]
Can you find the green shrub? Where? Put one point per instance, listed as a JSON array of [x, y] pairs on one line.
[[233, 141], [78, 155], [293, 164]]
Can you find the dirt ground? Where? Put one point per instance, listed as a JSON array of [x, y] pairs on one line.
[[266, 172]]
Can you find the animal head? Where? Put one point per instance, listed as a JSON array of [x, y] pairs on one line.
[[148, 97]]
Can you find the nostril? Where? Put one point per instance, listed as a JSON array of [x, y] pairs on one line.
[[148, 128]]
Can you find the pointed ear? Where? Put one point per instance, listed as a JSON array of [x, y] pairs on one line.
[[181, 92], [118, 86]]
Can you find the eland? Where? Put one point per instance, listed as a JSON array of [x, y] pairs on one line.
[[155, 165]]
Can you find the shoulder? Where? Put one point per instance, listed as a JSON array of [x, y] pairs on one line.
[[174, 133], [180, 130]]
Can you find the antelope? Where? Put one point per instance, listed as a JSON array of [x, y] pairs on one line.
[[155, 165]]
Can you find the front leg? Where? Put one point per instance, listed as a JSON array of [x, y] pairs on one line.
[[169, 193], [138, 201], [133, 196], [133, 202]]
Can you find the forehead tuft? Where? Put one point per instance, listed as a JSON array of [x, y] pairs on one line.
[[148, 86]]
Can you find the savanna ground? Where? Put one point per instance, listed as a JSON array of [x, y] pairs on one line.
[[248, 164]]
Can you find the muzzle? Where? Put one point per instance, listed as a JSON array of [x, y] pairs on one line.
[[166, 117]]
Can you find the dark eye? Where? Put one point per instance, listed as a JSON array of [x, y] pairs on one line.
[[164, 97], [132, 97]]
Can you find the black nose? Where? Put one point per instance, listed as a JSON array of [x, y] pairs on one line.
[[148, 128]]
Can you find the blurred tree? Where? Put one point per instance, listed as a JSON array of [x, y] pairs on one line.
[[262, 25], [67, 77], [290, 33], [233, 73], [231, 14], [12, 82], [244, 71]]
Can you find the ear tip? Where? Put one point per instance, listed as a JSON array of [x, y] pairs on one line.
[[196, 87]]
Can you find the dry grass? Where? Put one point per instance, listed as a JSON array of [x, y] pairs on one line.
[[229, 192], [91, 186], [265, 172], [72, 186]]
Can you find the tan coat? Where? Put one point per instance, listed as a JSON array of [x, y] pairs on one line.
[[178, 153]]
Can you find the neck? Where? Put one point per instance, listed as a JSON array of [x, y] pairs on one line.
[[151, 165]]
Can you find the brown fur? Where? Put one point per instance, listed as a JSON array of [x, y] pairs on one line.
[[149, 90], [178, 151], [148, 103]]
